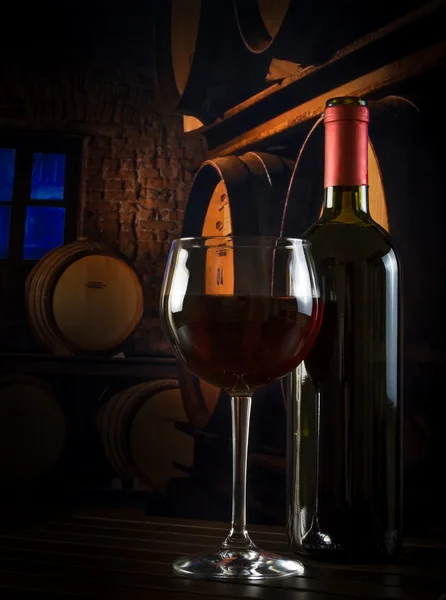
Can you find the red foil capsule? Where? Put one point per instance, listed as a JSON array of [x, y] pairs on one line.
[[346, 145]]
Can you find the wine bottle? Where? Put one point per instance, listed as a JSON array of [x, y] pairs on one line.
[[344, 459]]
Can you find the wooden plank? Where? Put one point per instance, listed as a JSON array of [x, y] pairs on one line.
[[9, 593], [156, 549], [146, 548], [56, 585], [135, 519], [332, 576], [149, 529], [124, 554], [173, 545], [272, 131], [135, 516], [148, 536], [128, 519], [159, 576], [150, 367], [130, 586]]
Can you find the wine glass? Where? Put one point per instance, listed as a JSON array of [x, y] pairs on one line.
[[239, 313]]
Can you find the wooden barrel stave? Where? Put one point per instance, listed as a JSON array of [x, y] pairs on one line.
[[294, 32], [42, 296], [158, 469], [126, 410], [259, 22], [289, 30], [109, 437], [110, 432], [202, 66], [250, 182], [187, 98], [35, 293]]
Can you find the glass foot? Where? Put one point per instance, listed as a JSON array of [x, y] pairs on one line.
[[234, 563]]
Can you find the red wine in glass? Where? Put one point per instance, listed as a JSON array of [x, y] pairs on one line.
[[243, 340]]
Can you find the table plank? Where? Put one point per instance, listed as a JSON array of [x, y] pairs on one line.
[[159, 576], [123, 554]]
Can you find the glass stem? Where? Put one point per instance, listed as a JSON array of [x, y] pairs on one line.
[[318, 442], [241, 410]]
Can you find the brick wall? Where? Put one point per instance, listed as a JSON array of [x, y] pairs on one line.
[[138, 163]]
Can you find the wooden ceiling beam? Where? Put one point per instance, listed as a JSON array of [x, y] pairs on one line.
[[406, 47], [271, 131]]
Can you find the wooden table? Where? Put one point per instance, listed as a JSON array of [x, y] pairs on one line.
[[122, 554]]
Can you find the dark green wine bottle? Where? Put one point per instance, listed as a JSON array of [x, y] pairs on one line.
[[344, 469]]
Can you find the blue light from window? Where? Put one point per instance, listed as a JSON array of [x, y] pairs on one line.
[[5, 217], [44, 230], [48, 178], [7, 166]]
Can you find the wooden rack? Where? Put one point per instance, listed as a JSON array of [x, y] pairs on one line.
[[411, 46]]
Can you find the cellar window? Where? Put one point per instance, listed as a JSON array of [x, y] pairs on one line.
[[40, 183]]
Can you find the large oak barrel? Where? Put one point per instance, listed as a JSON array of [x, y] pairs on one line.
[[139, 437], [202, 67], [285, 29], [32, 429], [238, 195], [235, 195], [83, 298], [259, 21], [309, 32]]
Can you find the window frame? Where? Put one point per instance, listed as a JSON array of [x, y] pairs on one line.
[[26, 145]]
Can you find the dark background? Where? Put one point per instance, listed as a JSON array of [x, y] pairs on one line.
[[88, 71]]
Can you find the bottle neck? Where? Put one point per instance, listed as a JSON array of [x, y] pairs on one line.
[[346, 170], [346, 204]]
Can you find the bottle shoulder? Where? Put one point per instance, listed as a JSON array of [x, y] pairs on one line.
[[353, 242]]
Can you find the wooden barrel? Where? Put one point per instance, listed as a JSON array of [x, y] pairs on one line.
[[259, 21], [287, 30], [83, 298], [238, 195], [139, 437], [202, 67], [32, 429], [308, 33], [235, 195]]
